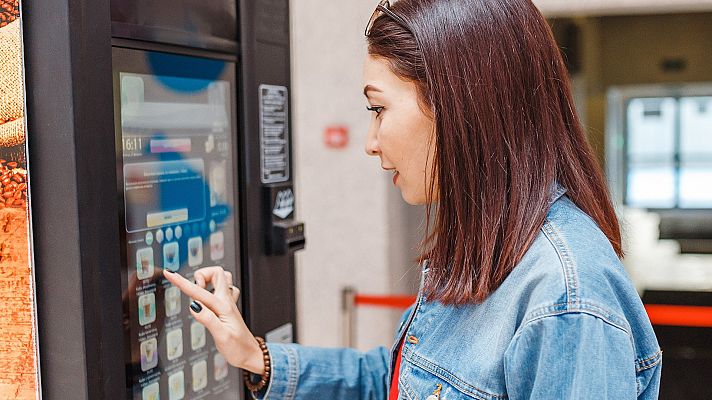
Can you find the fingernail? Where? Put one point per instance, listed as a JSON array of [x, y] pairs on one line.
[[195, 306], [171, 271]]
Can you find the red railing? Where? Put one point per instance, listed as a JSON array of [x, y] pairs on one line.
[[384, 301], [351, 300], [659, 314], [674, 315]]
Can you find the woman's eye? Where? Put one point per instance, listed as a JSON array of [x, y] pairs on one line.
[[376, 109]]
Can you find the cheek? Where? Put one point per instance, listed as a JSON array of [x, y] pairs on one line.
[[406, 146], [392, 147], [405, 142], [392, 142], [419, 164]]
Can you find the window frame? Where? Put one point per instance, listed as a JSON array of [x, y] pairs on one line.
[[617, 136]]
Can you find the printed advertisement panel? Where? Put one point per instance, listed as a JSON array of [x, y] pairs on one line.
[[18, 345]]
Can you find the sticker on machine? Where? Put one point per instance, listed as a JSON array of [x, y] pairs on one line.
[[274, 133], [282, 334], [283, 203]]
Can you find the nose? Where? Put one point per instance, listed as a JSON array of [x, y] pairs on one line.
[[372, 148]]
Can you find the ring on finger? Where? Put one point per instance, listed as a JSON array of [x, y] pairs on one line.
[[231, 288]]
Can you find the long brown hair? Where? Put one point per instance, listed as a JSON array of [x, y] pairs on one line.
[[506, 131]]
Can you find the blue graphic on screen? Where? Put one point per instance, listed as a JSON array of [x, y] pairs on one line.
[[168, 66]]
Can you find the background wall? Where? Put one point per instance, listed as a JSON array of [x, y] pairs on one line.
[[360, 232], [630, 50]]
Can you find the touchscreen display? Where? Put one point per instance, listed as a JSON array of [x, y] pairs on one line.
[[177, 185]]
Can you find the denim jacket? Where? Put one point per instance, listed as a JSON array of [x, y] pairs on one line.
[[565, 324]]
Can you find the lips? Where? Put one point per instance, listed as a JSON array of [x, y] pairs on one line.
[[394, 171]]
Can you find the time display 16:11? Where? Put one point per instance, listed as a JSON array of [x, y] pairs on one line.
[[131, 144]]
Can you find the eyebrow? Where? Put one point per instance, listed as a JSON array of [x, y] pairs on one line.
[[369, 88]]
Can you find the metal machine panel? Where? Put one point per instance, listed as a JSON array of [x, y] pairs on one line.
[[191, 23]]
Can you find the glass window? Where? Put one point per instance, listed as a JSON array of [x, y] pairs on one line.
[[696, 152], [651, 152], [669, 152]]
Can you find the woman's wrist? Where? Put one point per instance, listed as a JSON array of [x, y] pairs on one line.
[[263, 377], [255, 362]]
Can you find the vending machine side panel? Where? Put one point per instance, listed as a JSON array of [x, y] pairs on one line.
[[268, 195]]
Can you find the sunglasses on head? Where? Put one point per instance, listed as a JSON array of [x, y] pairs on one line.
[[383, 7]]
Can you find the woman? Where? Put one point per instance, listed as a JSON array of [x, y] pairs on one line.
[[523, 294]]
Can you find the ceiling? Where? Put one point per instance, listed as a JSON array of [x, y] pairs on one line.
[[560, 8]]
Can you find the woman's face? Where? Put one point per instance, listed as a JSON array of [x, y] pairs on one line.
[[400, 133]]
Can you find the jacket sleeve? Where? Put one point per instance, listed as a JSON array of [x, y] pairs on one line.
[[300, 372], [570, 356]]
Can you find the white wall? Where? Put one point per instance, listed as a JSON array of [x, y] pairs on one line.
[[358, 229]]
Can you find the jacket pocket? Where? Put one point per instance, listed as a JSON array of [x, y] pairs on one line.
[[416, 383]]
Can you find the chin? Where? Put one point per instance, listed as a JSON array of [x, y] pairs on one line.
[[417, 199], [413, 200]]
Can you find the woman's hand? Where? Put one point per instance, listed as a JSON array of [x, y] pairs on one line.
[[218, 312]]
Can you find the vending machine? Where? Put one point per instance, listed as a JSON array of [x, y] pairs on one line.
[[160, 140]]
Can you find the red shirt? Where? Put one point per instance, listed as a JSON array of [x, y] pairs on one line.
[[393, 394]]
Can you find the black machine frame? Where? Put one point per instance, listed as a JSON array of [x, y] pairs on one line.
[[73, 199]]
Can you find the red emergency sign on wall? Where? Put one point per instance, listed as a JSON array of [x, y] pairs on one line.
[[336, 137]]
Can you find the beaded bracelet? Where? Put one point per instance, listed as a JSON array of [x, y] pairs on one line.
[[256, 387]]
